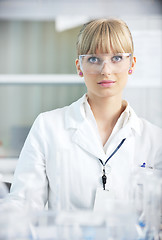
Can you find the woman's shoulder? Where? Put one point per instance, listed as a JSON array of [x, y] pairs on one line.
[[145, 128], [149, 126], [53, 113], [144, 124], [59, 113], [151, 134]]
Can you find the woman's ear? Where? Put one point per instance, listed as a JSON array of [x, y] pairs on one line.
[[134, 62], [132, 68], [79, 71]]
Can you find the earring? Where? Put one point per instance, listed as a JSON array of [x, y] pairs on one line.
[[80, 74], [130, 71]]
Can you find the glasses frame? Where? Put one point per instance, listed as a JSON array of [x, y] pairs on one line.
[[113, 54]]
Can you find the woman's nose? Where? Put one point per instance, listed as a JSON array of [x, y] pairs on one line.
[[106, 69]]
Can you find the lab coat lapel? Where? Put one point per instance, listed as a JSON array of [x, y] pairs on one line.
[[85, 137], [123, 133], [82, 134], [131, 128]]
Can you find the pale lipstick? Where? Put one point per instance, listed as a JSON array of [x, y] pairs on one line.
[[106, 83]]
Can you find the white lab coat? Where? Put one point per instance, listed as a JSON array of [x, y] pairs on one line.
[[60, 159]]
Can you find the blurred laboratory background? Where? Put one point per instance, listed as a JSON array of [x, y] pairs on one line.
[[37, 62]]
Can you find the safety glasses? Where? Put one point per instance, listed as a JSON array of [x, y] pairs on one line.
[[95, 63]]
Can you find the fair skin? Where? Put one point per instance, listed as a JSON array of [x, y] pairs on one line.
[[106, 100]]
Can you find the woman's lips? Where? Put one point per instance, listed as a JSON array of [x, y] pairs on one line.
[[106, 83]]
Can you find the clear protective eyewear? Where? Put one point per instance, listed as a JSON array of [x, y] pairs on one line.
[[94, 63]]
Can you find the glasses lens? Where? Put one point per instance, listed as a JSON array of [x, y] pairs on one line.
[[114, 63]]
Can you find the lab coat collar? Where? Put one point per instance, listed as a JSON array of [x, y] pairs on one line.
[[134, 121], [75, 116], [84, 135]]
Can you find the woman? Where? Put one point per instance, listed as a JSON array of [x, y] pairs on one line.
[[74, 154]]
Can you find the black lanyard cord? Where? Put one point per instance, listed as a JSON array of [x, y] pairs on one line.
[[116, 149]]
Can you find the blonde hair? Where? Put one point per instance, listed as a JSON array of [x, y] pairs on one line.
[[105, 35]]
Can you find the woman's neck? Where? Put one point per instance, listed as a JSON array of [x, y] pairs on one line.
[[106, 112], [106, 108]]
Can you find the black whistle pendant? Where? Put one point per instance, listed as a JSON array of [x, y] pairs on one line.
[[104, 178]]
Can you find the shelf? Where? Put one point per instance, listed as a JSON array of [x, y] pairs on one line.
[[134, 81], [8, 165], [40, 79]]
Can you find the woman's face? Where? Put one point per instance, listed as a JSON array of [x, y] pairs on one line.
[[106, 83]]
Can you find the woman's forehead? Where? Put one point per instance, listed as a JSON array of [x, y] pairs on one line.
[[106, 50], [108, 44], [111, 51]]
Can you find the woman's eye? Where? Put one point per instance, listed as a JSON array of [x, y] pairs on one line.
[[117, 58], [94, 60]]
